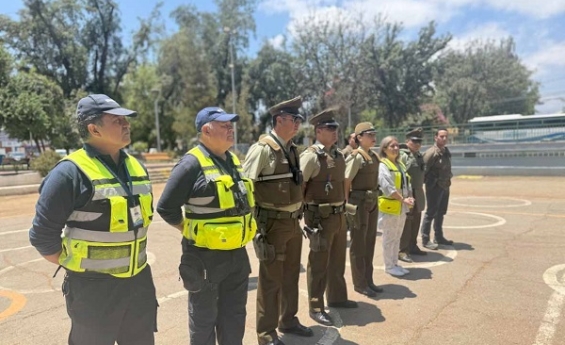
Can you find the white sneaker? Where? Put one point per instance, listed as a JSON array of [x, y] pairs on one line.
[[395, 272], [404, 270]]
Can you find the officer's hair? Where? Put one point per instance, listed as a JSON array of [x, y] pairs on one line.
[[439, 129], [83, 122], [357, 139], [384, 144]]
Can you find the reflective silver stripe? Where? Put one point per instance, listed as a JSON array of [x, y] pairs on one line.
[[273, 177], [82, 216], [210, 176], [142, 254], [103, 236], [104, 264], [106, 192], [200, 201], [201, 210], [141, 189]]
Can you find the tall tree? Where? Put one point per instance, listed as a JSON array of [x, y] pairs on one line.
[[487, 78], [77, 43], [32, 107]]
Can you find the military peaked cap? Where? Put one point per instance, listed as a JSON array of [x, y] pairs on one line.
[[365, 127], [415, 134], [324, 119], [289, 107]]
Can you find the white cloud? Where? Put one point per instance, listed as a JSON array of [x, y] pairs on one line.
[[487, 31], [530, 8], [277, 41], [550, 56]]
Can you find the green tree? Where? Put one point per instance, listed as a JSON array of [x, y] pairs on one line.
[[487, 78], [32, 106]]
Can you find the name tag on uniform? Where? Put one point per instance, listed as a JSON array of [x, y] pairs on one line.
[[136, 216], [242, 187]]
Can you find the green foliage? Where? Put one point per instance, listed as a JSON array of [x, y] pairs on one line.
[[45, 162], [487, 78], [139, 146], [32, 105]]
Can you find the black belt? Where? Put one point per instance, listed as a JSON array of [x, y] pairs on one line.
[[335, 209], [278, 214]]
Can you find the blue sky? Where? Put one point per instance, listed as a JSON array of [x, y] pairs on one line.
[[538, 27]]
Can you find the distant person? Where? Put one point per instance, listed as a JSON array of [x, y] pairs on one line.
[[351, 145], [413, 160], [92, 217], [209, 201], [394, 203], [361, 190], [437, 178]]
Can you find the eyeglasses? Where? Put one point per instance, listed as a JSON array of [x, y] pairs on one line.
[[294, 119], [392, 146], [370, 134], [330, 128]]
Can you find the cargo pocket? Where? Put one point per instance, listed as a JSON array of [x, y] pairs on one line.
[[193, 273]]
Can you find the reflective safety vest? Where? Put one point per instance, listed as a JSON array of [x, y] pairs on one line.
[[223, 221], [390, 205], [99, 236]]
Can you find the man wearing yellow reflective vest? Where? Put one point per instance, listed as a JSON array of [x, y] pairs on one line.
[[100, 198], [217, 224]]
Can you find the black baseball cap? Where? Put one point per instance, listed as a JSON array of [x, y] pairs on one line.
[[98, 104]]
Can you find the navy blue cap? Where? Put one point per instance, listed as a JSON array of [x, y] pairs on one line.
[[99, 104], [210, 114]]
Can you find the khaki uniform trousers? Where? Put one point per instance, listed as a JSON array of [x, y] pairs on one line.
[[277, 289], [362, 248], [409, 238], [326, 268]]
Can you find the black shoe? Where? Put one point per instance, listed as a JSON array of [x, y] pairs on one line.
[[321, 317], [404, 257], [444, 241], [275, 342], [417, 251], [299, 330], [375, 288], [366, 291], [344, 304]]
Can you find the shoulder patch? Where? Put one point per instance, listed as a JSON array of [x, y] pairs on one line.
[[365, 155], [268, 140]]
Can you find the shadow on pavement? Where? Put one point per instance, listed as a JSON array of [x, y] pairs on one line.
[[432, 256], [395, 292], [463, 246], [363, 315], [417, 273]]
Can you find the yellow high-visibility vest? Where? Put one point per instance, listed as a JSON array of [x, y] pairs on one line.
[[221, 227], [390, 205], [99, 236]]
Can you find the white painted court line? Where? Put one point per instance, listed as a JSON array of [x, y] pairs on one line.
[[499, 221], [17, 248], [13, 232], [552, 315], [522, 202]]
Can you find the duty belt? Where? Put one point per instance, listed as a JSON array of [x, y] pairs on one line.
[[335, 209], [278, 214]]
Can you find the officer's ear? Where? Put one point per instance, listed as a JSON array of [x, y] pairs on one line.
[[93, 130]]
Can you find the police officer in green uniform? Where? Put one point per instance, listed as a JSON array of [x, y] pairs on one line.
[[92, 219], [323, 167], [361, 181], [273, 164], [437, 178], [216, 223], [413, 160]]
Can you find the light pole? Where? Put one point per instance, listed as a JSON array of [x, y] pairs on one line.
[[157, 93], [230, 32]]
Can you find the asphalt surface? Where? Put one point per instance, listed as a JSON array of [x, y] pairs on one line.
[[502, 282]]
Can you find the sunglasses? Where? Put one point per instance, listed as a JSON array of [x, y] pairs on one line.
[[330, 128], [294, 119]]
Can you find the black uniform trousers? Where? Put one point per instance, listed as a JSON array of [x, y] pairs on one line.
[[437, 199], [277, 288], [218, 309], [362, 247], [105, 309], [409, 238], [326, 267]]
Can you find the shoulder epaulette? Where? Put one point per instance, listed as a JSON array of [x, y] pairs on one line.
[[268, 140], [362, 153]]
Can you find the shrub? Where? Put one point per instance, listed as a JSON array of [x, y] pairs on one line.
[[139, 146], [45, 162]]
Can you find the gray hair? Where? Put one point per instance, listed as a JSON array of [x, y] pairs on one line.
[[84, 121], [384, 144]]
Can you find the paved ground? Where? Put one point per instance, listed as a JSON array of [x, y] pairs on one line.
[[501, 283]]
